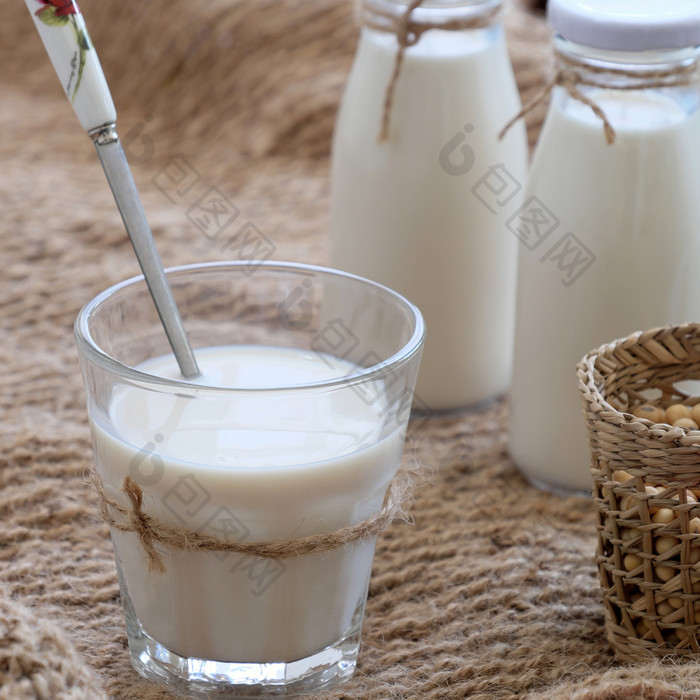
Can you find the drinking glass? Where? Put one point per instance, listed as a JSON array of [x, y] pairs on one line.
[[294, 428]]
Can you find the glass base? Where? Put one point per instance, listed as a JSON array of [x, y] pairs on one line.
[[201, 678]]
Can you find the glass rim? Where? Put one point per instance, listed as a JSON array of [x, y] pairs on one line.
[[90, 348]]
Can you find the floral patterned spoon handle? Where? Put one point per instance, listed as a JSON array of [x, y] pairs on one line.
[[62, 29]]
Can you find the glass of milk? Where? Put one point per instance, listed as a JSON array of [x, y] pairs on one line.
[[609, 230], [295, 427]]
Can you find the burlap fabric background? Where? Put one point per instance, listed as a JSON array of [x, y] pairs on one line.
[[490, 593]]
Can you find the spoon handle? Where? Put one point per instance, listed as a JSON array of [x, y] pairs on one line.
[[62, 29]]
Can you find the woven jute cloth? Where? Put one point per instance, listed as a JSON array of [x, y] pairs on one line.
[[491, 592]]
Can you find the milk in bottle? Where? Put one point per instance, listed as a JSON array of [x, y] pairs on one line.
[[410, 210], [610, 231]]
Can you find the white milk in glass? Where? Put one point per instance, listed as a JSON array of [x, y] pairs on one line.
[[635, 205], [404, 213], [249, 469]]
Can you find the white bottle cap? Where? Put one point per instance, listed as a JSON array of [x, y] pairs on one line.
[[627, 25]]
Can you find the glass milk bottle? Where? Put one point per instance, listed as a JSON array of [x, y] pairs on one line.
[[610, 227], [422, 186]]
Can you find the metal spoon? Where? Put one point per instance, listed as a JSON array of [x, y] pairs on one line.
[[62, 29]]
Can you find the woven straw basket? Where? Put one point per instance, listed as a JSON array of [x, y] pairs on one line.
[[646, 487]]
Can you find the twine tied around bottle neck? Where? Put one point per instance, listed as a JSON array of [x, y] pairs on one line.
[[570, 74], [408, 32], [151, 531]]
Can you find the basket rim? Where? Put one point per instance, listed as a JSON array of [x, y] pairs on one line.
[[640, 426]]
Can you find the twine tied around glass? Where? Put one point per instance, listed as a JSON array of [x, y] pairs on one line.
[[151, 531], [408, 31], [570, 75]]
